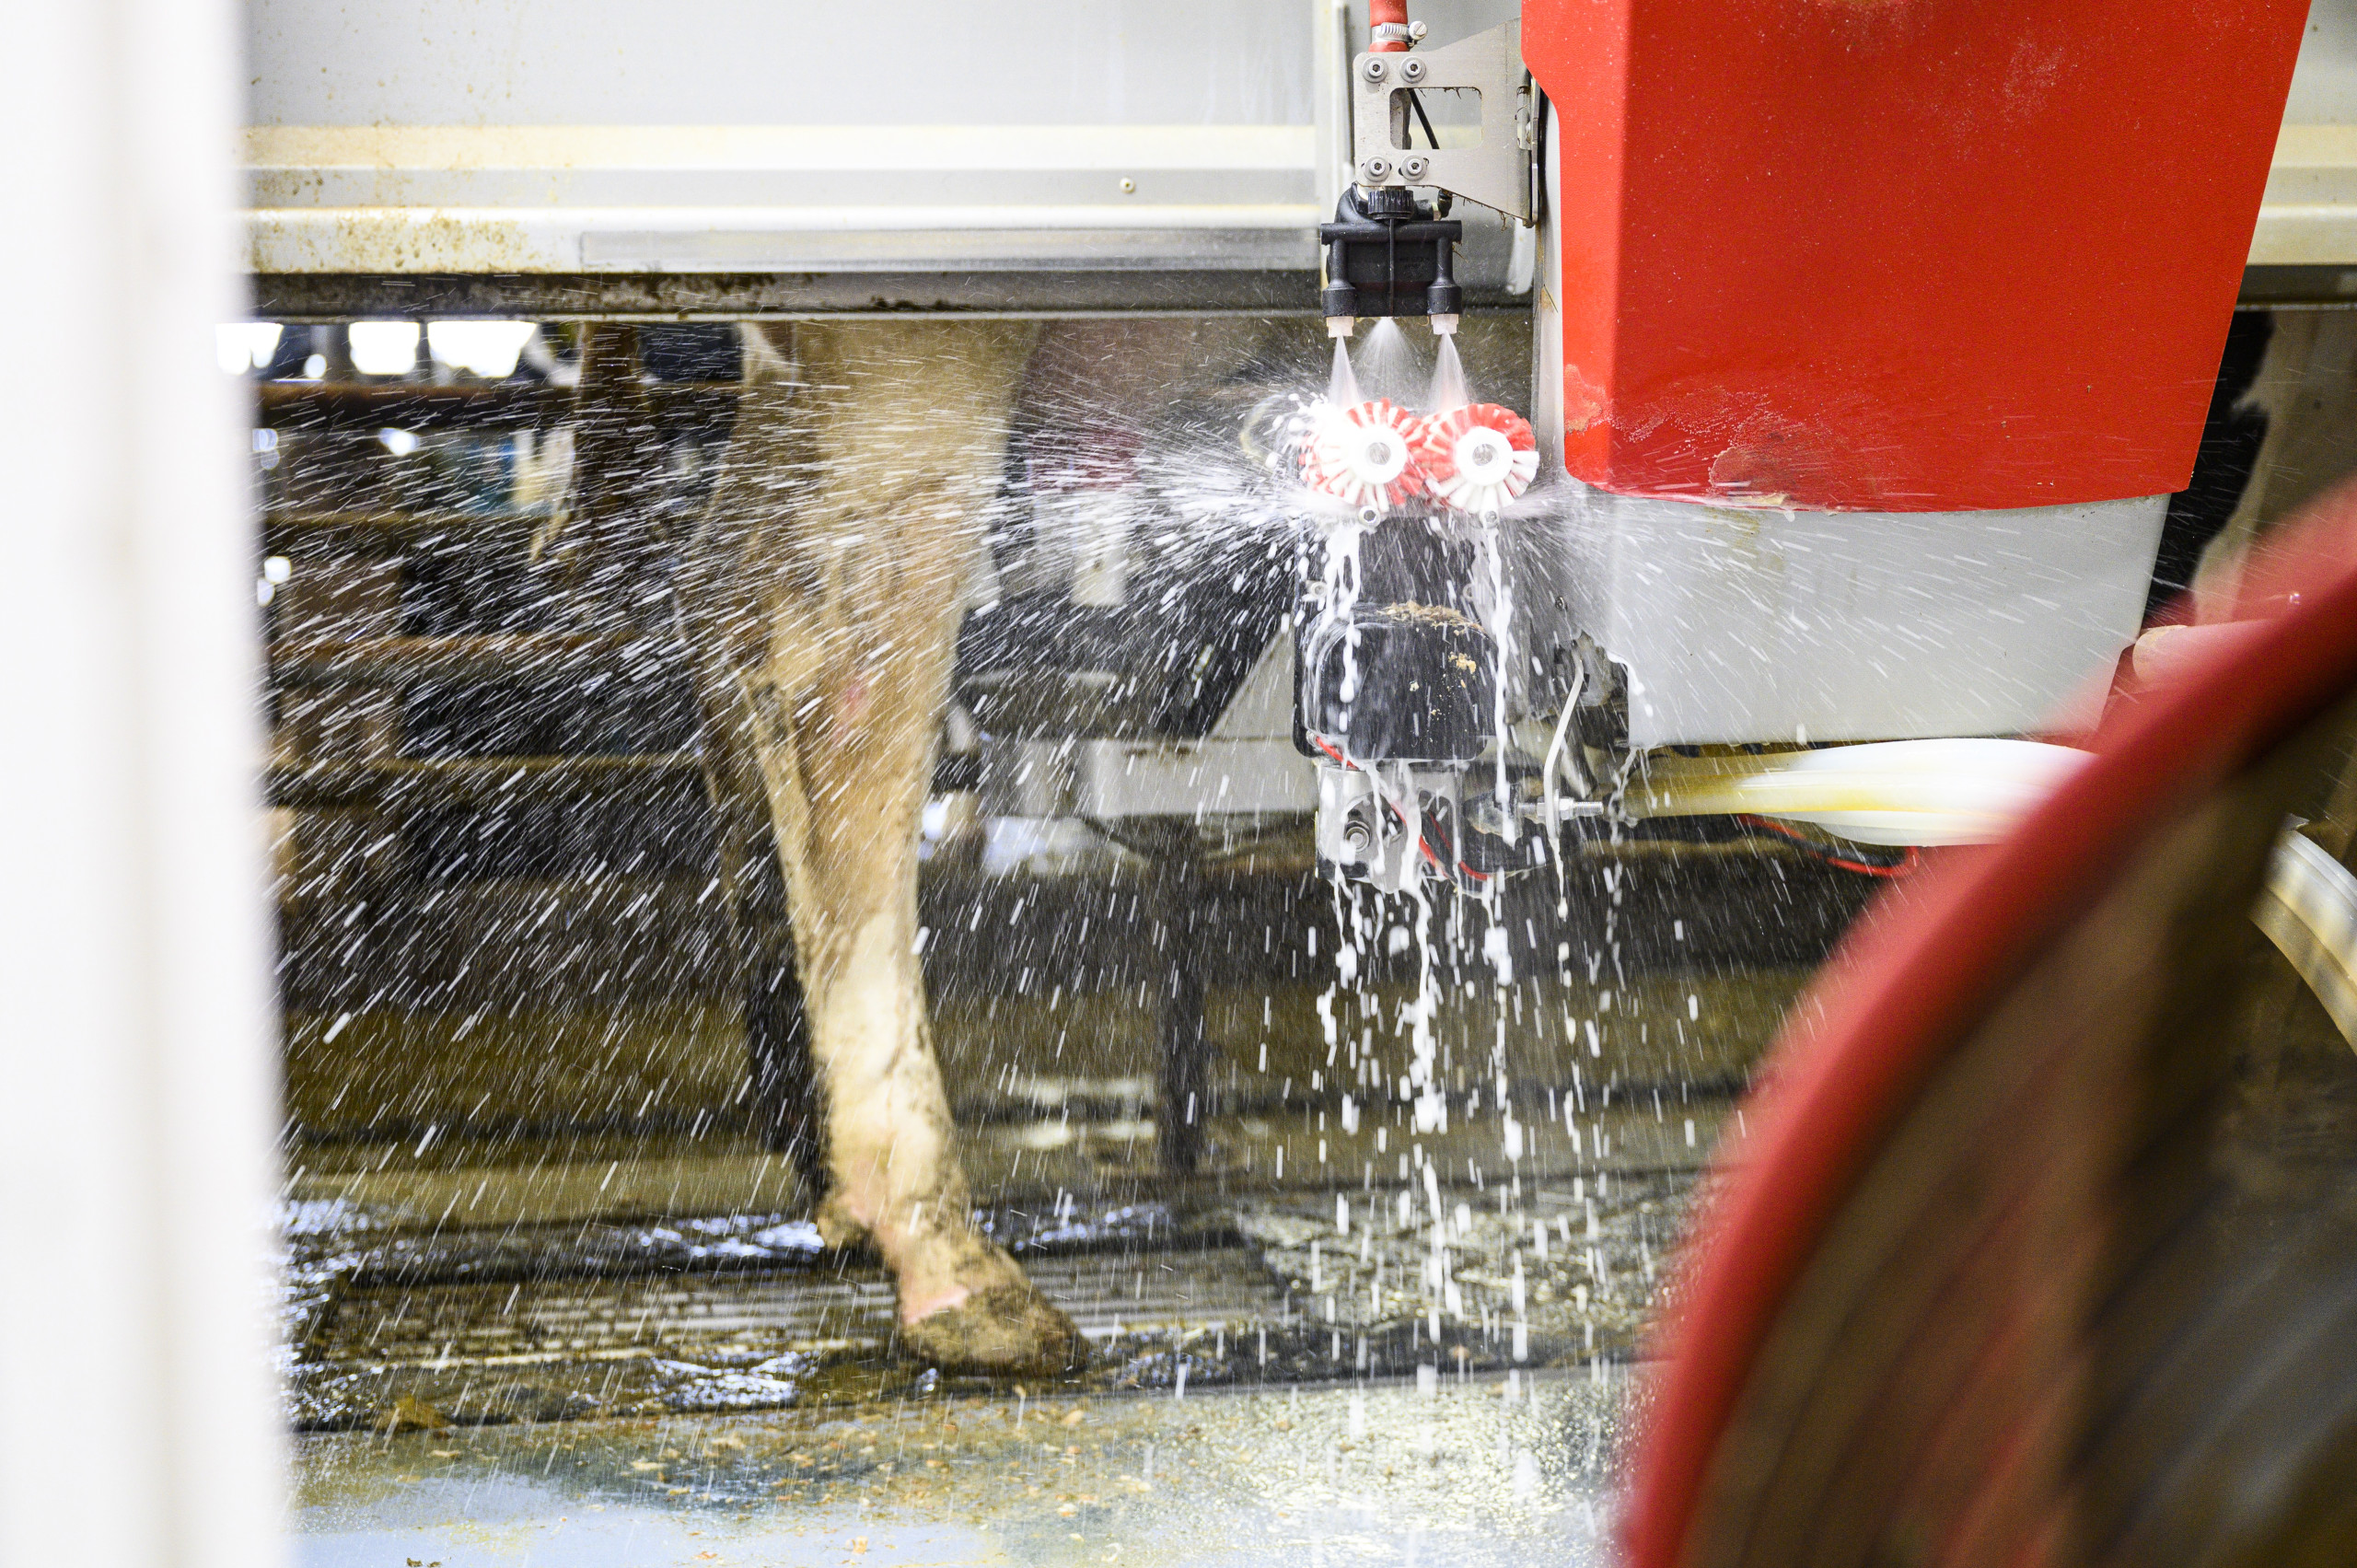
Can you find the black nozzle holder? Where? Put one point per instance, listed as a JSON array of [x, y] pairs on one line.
[[1442, 297], [1387, 255]]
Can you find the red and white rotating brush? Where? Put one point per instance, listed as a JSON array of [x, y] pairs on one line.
[[1479, 458], [1362, 455]]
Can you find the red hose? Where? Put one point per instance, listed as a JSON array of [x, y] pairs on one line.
[[1388, 13], [1911, 981]]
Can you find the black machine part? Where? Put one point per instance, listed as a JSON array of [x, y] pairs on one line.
[[1387, 254], [1422, 685], [1424, 673]]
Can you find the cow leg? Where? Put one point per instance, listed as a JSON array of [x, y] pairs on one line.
[[788, 1116], [840, 534]]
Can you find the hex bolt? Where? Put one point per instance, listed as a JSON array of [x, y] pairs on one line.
[[1412, 70], [1374, 69], [1413, 167], [1375, 168]]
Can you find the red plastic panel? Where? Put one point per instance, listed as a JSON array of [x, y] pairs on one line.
[[1903, 255]]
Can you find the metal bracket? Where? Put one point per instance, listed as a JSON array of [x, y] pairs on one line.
[[1495, 171]]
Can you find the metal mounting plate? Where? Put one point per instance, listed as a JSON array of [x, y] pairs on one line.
[[1495, 171]]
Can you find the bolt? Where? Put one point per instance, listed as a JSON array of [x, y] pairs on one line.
[[1128, 186], [1412, 70], [1413, 167], [1416, 32], [1375, 168], [1374, 69]]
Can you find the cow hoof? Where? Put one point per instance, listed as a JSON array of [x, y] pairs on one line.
[[1004, 1327]]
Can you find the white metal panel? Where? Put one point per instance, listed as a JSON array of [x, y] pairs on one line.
[[138, 1425], [1244, 766], [558, 136], [1075, 63], [1114, 779], [803, 165], [738, 137], [1262, 706], [1756, 626], [832, 198], [2309, 215]]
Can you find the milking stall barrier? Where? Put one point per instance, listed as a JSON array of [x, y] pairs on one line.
[[1097, 782]]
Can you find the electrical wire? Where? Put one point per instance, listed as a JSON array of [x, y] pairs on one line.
[[1905, 864], [1416, 102], [1394, 807]]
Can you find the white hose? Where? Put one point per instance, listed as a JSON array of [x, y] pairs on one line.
[[1892, 792], [1955, 792], [2309, 910]]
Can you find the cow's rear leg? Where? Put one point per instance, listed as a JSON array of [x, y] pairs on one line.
[[847, 516], [963, 1301]]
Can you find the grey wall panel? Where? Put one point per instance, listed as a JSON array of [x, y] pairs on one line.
[[748, 63], [566, 138]]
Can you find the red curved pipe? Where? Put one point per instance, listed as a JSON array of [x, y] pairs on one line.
[[1382, 13], [1903, 987]]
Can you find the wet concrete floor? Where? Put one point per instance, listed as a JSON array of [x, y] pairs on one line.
[[1503, 1469], [390, 1326], [1273, 1375]]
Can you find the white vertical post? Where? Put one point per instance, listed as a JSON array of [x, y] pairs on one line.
[[137, 1419]]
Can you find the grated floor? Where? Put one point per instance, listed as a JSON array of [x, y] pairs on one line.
[[820, 1309]]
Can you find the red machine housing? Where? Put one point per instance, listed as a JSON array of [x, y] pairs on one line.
[[1901, 255]]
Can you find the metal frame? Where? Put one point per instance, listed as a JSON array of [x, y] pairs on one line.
[[1495, 171]]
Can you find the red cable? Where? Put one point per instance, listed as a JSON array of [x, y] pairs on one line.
[[1323, 745], [1833, 857]]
